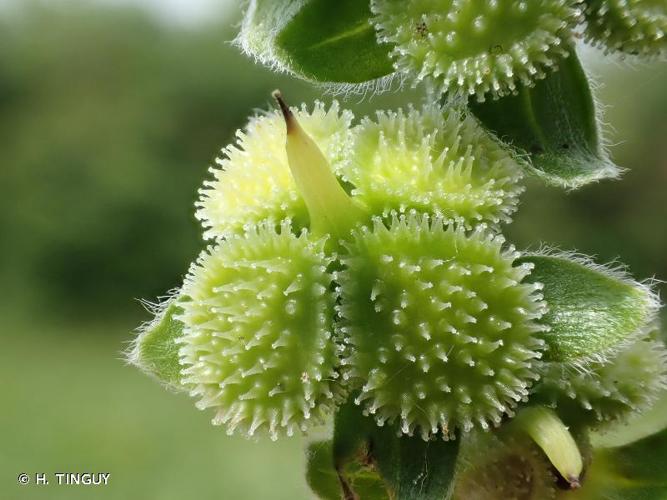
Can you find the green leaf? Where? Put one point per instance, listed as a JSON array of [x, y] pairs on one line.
[[323, 478], [155, 350], [592, 309], [321, 474], [555, 124], [352, 432], [413, 469], [318, 40], [632, 472]]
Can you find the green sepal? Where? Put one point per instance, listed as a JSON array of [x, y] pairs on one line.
[[319, 40], [324, 479], [631, 472], [155, 350], [592, 310], [412, 469], [555, 124]]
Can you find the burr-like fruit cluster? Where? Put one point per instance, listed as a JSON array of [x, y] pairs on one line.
[[433, 324], [366, 261]]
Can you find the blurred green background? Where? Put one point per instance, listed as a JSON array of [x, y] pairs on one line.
[[110, 115]]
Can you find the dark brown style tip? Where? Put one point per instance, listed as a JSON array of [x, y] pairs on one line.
[[287, 113]]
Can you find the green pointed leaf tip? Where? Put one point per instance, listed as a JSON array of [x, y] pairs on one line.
[[555, 123], [631, 472], [593, 310], [352, 432], [321, 474], [318, 40], [155, 350], [412, 469]]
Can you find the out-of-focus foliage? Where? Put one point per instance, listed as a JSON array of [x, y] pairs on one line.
[[107, 124]]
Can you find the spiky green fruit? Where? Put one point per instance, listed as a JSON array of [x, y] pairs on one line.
[[436, 161], [631, 26], [258, 346], [480, 47], [441, 331], [252, 182], [606, 389]]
